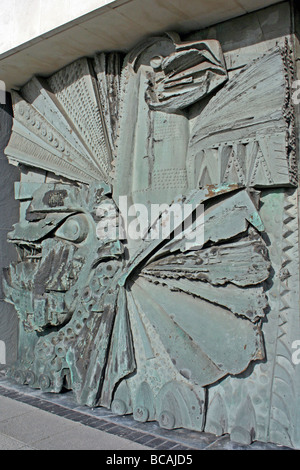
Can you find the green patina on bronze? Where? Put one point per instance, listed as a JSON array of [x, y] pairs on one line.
[[147, 326]]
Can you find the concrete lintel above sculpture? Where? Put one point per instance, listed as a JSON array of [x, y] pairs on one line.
[[36, 31]]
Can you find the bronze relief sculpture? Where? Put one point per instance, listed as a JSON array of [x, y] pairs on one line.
[[148, 325]]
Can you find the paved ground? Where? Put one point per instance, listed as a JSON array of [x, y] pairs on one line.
[[31, 419], [24, 427]]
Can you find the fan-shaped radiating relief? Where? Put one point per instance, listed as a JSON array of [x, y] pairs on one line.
[[38, 143], [145, 326], [123, 319], [76, 90], [67, 123], [38, 93]]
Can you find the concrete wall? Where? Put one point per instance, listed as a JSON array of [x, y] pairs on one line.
[[9, 214]]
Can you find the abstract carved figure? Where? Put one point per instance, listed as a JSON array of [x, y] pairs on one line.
[[144, 325]]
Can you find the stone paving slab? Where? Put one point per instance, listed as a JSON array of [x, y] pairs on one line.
[[33, 419], [25, 427]]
